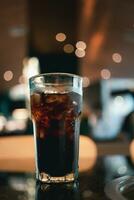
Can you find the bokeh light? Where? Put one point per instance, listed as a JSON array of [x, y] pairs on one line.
[[20, 113], [68, 48], [30, 68], [8, 75], [60, 37], [105, 74], [119, 100], [80, 53], [117, 58], [86, 82], [81, 45], [122, 170]]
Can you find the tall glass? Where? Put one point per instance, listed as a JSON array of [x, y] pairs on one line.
[[56, 101]]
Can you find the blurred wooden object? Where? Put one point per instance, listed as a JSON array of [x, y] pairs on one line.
[[131, 149], [17, 154], [87, 153]]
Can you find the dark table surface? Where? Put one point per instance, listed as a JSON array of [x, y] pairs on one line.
[[90, 185]]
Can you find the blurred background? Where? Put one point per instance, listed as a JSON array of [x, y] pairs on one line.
[[92, 38]]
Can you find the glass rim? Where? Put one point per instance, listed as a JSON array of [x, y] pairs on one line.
[[55, 73]]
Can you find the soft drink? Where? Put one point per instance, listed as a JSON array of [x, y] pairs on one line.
[[56, 118]]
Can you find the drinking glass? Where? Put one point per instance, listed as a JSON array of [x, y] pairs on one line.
[[56, 102]]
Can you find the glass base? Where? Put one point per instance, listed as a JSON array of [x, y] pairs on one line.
[[46, 178]]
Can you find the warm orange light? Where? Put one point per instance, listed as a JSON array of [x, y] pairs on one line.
[[81, 45], [80, 53], [68, 48], [105, 74], [8, 75], [87, 153], [2, 122], [117, 58], [94, 45], [60, 37], [131, 149]]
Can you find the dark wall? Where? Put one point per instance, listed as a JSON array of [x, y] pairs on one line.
[[60, 62], [47, 18]]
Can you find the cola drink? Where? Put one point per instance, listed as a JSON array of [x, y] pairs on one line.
[[56, 119]]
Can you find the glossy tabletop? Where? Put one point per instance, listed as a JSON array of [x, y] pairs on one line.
[[17, 177]]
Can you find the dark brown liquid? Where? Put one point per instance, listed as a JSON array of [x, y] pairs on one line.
[[56, 125]]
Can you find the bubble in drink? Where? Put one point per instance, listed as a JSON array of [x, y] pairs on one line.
[[56, 125]]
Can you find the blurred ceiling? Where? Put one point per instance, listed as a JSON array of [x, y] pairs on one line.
[[47, 18], [107, 27]]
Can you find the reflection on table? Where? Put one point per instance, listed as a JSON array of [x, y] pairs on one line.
[[62, 191]]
